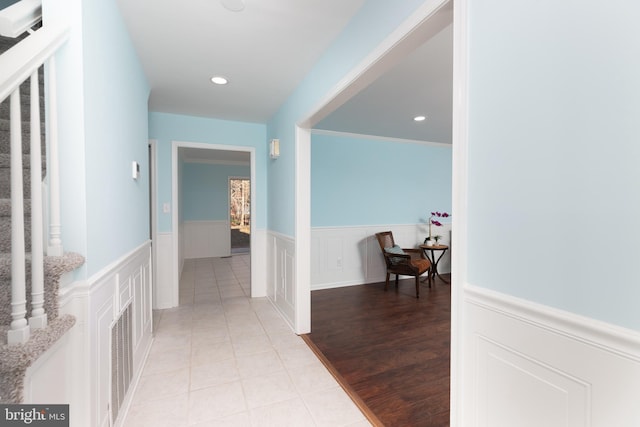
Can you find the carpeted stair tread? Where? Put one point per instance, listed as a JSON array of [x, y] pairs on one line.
[[54, 268], [5, 142], [5, 183], [5, 225], [5, 160], [5, 207], [25, 109], [5, 125], [5, 234], [5, 138]]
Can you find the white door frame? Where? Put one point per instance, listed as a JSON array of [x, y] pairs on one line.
[[153, 199], [175, 145], [408, 36]]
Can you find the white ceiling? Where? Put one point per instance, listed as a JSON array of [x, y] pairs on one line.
[[266, 50], [421, 84]]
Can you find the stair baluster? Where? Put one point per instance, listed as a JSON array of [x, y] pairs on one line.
[[18, 64], [20, 331], [38, 317]]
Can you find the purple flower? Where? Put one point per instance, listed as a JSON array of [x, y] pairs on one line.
[[436, 223]]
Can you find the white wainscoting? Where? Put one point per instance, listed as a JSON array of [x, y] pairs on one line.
[[164, 295], [96, 303], [259, 262], [281, 275], [206, 239], [345, 256], [528, 365]]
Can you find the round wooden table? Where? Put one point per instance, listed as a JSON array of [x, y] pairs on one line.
[[429, 252]]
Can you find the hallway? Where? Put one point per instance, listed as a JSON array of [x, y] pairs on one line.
[[222, 359]]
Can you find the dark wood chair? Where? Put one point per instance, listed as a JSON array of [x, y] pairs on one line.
[[407, 262]]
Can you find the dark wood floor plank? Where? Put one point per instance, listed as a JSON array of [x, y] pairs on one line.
[[390, 348]]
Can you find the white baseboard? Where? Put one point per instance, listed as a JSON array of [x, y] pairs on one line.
[[530, 365], [346, 256]]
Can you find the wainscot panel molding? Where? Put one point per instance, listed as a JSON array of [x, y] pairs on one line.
[[281, 275], [533, 365], [181, 244], [259, 263], [74, 300], [96, 304], [164, 294], [346, 256], [206, 239]]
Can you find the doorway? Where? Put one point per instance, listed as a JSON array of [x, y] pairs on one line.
[[407, 37], [240, 215], [420, 27], [181, 152]]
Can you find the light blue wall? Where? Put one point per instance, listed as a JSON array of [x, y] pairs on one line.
[[358, 181], [166, 128], [375, 20], [116, 94], [205, 190], [71, 127], [553, 154], [102, 129]]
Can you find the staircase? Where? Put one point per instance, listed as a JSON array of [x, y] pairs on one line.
[[17, 357]]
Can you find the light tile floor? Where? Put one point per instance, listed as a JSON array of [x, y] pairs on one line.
[[224, 359]]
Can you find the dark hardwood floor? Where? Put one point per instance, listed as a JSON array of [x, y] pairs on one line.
[[389, 348]]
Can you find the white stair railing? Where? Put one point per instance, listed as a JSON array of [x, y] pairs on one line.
[[18, 64]]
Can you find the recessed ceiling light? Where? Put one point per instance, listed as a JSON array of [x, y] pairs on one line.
[[233, 5], [420, 118], [219, 80]]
